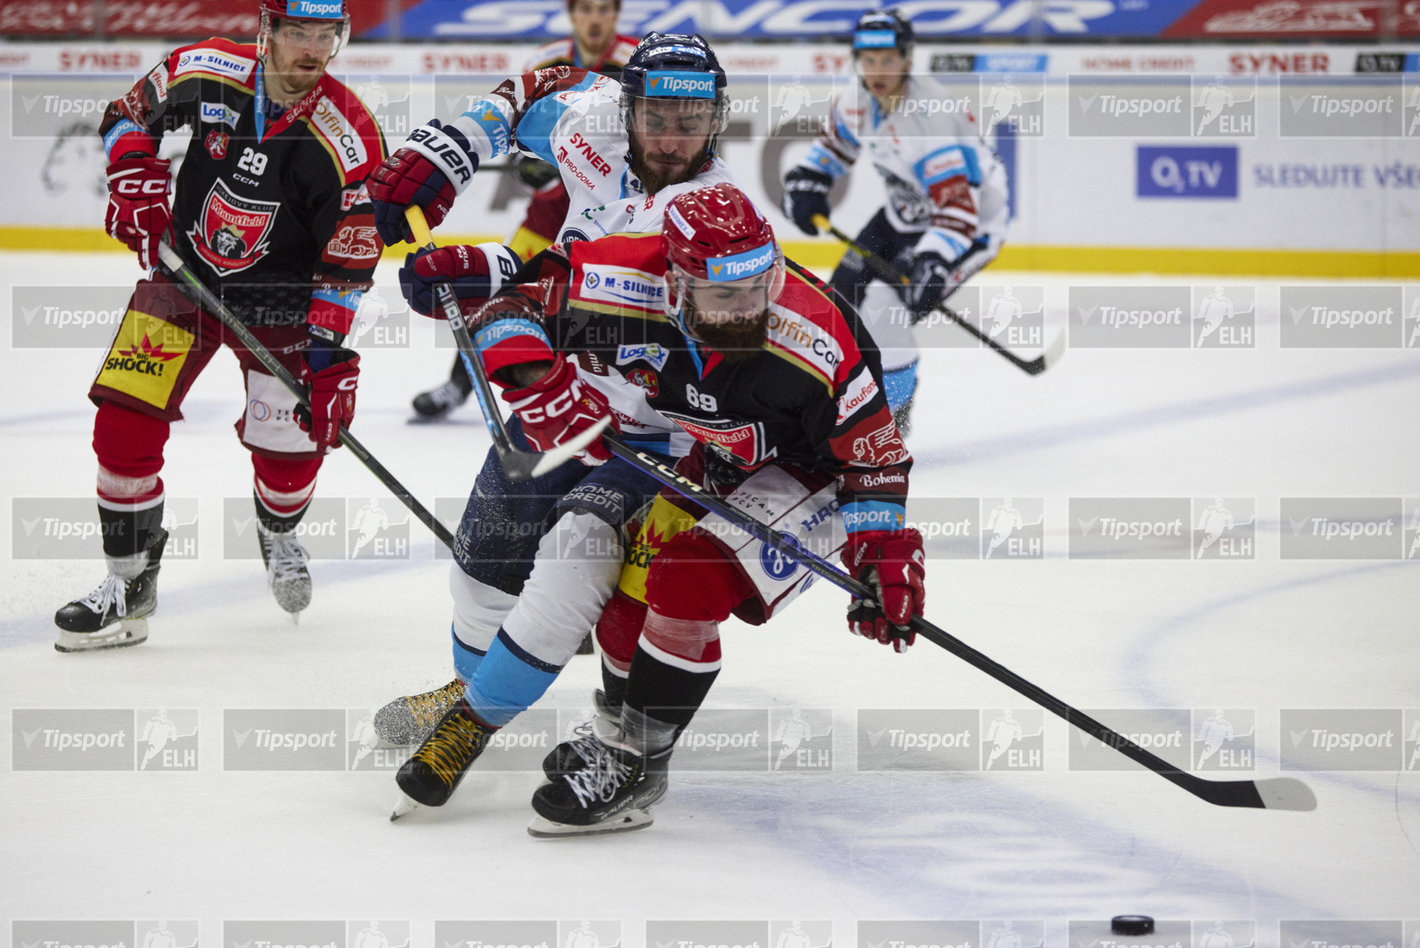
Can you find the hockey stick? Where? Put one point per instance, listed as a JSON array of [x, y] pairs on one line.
[[1273, 793], [890, 275], [519, 465], [209, 301]]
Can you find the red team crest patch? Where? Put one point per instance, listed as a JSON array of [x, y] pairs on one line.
[[231, 233], [216, 143], [646, 379]]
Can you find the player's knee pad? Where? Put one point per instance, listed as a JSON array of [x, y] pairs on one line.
[[694, 578], [618, 629], [284, 486], [686, 643], [129, 443], [479, 610], [573, 577]]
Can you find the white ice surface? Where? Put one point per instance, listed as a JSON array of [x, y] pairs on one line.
[[1053, 845]]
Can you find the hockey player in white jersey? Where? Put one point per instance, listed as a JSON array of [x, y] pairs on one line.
[[624, 151], [946, 212]]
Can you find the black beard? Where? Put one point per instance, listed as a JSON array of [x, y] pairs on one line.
[[737, 343], [655, 181]]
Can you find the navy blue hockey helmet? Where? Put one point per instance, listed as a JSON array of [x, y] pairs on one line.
[[883, 29], [675, 66]]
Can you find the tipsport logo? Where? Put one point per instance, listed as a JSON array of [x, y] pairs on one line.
[[706, 933], [1166, 732], [680, 85], [68, 528], [1344, 528], [956, 933], [277, 933], [1337, 739], [322, 530], [131, 933], [1348, 317], [943, 740], [91, 739], [1224, 739], [497, 933], [722, 739], [1339, 932], [1129, 528], [1095, 933], [66, 317], [1106, 108], [1357, 109]]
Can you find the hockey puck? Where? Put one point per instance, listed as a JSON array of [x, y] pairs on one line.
[[1131, 925]]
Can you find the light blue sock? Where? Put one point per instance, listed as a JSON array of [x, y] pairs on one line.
[[509, 680], [467, 659]]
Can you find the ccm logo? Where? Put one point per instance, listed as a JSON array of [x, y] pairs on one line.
[[131, 187], [347, 384], [556, 408]]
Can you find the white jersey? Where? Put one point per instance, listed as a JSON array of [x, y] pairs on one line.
[[572, 118], [942, 179]]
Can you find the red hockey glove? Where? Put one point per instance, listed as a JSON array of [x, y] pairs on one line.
[[138, 213], [423, 172], [332, 391], [476, 273], [558, 407], [892, 563]]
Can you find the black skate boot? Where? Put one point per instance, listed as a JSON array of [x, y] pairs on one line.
[[611, 793], [409, 720], [431, 774], [286, 572], [570, 755], [438, 402], [116, 614]]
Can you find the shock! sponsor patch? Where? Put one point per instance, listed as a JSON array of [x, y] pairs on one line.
[[146, 356]]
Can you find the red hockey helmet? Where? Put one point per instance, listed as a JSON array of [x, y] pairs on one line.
[[723, 262], [315, 11]]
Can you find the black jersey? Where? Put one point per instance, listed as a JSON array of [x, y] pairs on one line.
[[811, 398], [270, 210]]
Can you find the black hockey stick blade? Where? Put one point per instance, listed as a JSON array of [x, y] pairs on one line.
[[1281, 793], [209, 301], [890, 275], [517, 464]]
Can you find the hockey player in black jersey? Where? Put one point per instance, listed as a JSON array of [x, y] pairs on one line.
[[780, 394], [270, 211]]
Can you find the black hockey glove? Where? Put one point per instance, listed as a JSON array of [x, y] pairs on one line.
[[806, 196], [926, 286]]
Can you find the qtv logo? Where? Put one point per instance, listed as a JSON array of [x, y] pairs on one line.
[[1186, 171]]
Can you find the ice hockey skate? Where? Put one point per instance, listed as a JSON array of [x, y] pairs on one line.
[[116, 614], [286, 572], [430, 776], [407, 721], [438, 402], [611, 793], [569, 756]]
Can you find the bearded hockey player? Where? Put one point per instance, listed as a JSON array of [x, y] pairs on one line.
[[946, 212], [624, 150], [779, 389], [271, 212]]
